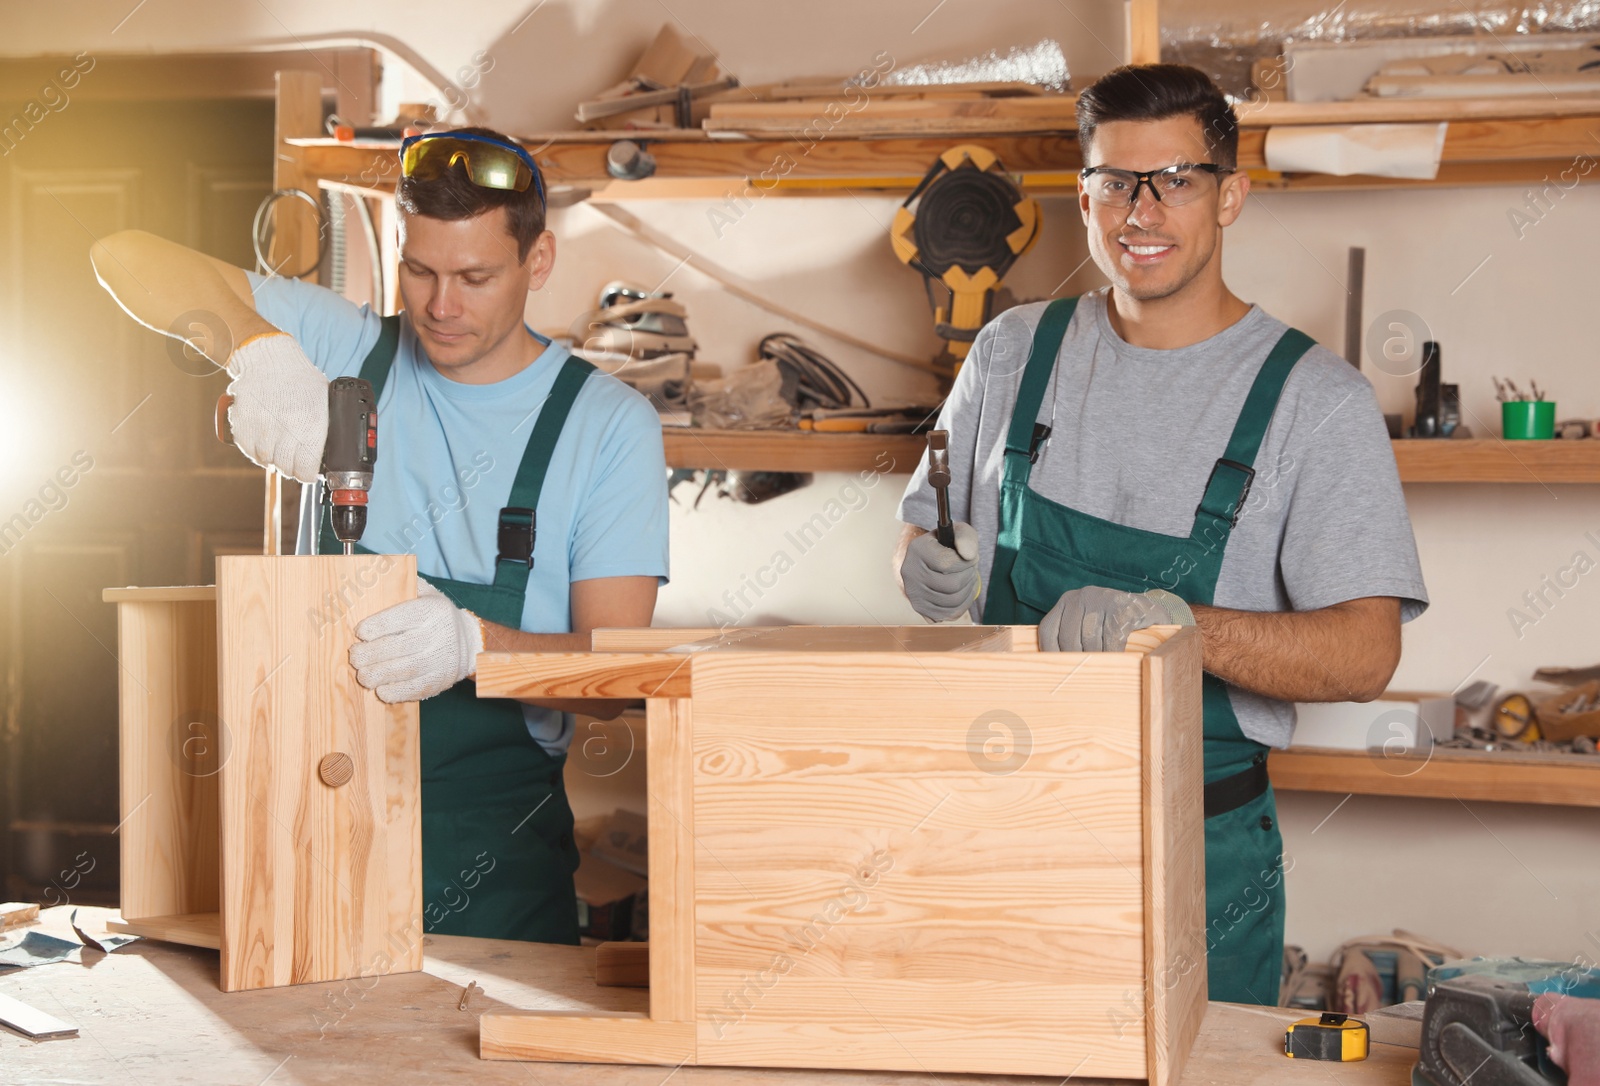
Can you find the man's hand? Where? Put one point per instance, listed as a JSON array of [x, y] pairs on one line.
[[280, 405], [1096, 619], [418, 648], [1572, 1026], [939, 582]]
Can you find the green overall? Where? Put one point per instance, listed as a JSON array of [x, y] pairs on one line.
[[497, 848], [1046, 549]]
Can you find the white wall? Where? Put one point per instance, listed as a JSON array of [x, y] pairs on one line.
[[1492, 877]]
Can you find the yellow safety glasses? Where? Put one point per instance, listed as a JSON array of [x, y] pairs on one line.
[[490, 163]]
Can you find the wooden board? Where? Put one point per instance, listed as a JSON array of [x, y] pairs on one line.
[[193, 929], [673, 858], [1443, 773], [173, 745], [174, 594], [863, 888], [160, 1007], [942, 638], [1491, 460], [319, 882], [14, 914], [583, 675], [796, 450], [31, 1021], [1174, 848]]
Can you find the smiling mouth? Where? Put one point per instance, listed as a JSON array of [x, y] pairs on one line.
[[1145, 252]]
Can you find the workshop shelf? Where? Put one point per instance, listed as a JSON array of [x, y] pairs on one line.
[[888, 146], [792, 450], [1493, 460], [1567, 780]]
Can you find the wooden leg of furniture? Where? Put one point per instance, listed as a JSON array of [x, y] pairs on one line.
[[667, 1034]]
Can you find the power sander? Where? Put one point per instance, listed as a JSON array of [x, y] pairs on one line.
[[1477, 1025], [347, 457]]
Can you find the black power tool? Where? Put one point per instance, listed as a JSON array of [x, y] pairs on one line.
[[1477, 1030], [348, 456]]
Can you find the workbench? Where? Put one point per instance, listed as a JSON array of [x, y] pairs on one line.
[[152, 1013]]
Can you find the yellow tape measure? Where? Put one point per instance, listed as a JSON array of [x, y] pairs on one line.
[[1331, 1037]]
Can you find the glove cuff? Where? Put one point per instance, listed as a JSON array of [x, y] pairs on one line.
[[473, 638], [1173, 605], [261, 345]]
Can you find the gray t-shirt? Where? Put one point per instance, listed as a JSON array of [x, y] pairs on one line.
[[1135, 432]]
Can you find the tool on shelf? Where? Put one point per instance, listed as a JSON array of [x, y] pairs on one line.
[[963, 227], [348, 455], [1332, 1036], [939, 478], [1438, 404]]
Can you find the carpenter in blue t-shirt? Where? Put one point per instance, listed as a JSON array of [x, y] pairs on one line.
[[448, 452]]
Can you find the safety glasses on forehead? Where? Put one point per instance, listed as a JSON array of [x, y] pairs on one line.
[[1173, 186], [490, 163]]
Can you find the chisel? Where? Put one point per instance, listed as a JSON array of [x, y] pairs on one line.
[[939, 479]]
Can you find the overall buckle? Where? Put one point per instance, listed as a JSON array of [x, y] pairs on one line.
[[517, 533], [1247, 476], [1041, 434]]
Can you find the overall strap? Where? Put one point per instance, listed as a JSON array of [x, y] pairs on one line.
[[519, 519], [379, 360], [1025, 434], [375, 371], [1231, 476]]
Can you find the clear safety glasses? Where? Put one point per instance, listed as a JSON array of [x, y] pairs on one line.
[[1173, 186]]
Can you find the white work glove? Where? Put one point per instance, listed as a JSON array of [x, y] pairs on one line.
[[1096, 619], [279, 415], [941, 583], [418, 648]]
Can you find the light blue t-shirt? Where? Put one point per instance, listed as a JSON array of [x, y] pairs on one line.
[[448, 453]]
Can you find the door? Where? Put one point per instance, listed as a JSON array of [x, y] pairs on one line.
[[110, 473]]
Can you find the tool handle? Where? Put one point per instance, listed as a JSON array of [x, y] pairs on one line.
[[946, 535], [224, 429]]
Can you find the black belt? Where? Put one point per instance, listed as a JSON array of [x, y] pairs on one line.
[[1231, 793]]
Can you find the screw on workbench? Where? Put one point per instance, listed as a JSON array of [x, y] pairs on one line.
[[466, 994]]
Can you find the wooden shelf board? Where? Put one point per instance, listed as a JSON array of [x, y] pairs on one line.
[[1493, 460], [200, 593], [792, 450], [1571, 780], [191, 929]]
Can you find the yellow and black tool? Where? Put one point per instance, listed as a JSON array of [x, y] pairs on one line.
[[1332, 1037], [963, 227], [1514, 718]]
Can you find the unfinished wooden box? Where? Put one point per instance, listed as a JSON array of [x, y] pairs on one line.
[[921, 849], [270, 803]]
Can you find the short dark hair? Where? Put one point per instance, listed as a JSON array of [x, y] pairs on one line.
[[452, 196], [1154, 92]]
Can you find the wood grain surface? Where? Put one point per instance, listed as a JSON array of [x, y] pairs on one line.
[[318, 883], [906, 861], [1174, 853], [190, 929], [583, 675], [152, 1013], [172, 746]]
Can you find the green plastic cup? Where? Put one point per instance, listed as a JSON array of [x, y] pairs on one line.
[[1528, 420]]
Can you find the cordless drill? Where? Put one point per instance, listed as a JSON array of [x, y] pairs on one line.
[[347, 457]]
